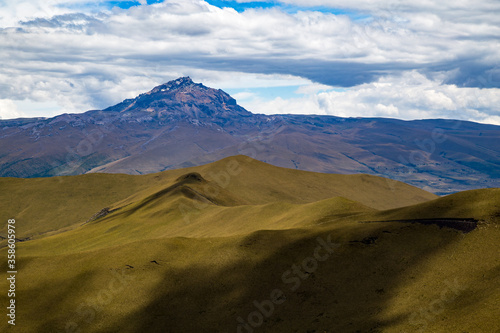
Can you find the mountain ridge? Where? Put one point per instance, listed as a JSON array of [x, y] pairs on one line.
[[190, 124]]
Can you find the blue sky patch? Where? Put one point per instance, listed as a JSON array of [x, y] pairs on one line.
[[241, 6], [122, 4], [291, 9], [128, 4]]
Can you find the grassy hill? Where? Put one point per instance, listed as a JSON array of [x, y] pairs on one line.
[[42, 205], [239, 245]]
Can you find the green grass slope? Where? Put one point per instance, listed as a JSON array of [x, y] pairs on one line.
[[479, 204], [41, 205]]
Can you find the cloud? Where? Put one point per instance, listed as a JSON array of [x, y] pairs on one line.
[[408, 96], [8, 109], [244, 96], [411, 96], [76, 23], [83, 56]]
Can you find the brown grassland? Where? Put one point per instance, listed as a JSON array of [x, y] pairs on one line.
[[207, 249]]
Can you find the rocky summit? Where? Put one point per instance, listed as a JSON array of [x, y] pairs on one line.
[[183, 97]]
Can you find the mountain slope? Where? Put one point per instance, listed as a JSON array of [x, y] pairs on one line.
[[181, 124], [481, 204], [262, 249], [414, 278]]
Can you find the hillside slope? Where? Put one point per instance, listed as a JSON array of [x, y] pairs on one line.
[[239, 245], [49, 204]]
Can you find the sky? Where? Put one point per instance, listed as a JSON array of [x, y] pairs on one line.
[[356, 58]]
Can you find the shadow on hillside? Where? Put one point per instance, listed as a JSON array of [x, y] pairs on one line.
[[50, 296], [347, 292]]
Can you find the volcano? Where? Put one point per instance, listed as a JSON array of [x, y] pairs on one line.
[[182, 124], [184, 98]]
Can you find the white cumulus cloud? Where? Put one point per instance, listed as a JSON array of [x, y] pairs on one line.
[[409, 96], [8, 109]]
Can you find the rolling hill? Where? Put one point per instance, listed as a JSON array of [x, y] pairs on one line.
[[53, 203], [241, 245]]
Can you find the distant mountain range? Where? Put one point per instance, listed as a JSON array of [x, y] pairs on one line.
[[182, 123]]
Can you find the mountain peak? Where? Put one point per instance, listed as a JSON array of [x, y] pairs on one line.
[[179, 83], [183, 98]]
